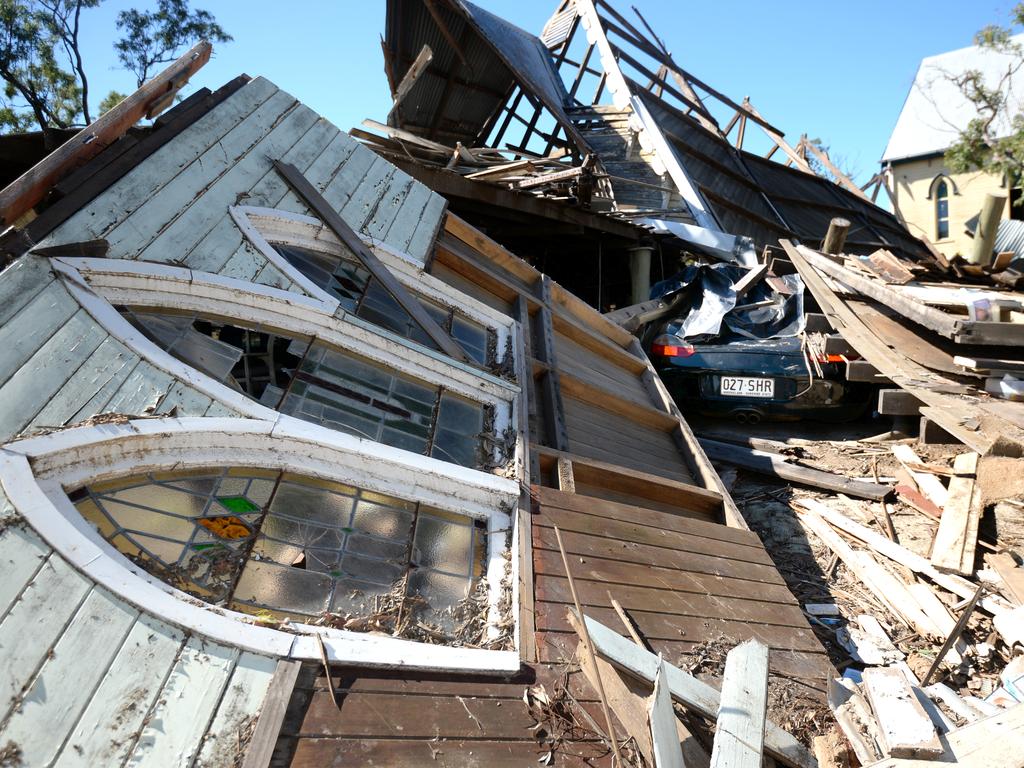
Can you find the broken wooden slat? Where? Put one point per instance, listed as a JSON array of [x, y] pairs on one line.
[[855, 719], [664, 743], [1010, 573], [739, 734], [686, 689], [929, 484], [268, 725], [957, 537], [884, 264], [890, 549], [776, 465], [28, 189], [989, 743], [309, 193], [906, 729]]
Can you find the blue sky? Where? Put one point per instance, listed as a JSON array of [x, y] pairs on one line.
[[837, 71]]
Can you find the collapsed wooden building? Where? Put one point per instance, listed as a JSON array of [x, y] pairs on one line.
[[267, 406], [303, 464]]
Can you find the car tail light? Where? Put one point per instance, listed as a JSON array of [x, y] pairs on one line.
[[830, 359], [671, 346]]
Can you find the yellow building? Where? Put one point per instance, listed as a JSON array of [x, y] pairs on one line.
[[934, 202]]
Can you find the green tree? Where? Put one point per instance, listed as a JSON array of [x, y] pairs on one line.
[[153, 38], [980, 145], [39, 87], [45, 84]]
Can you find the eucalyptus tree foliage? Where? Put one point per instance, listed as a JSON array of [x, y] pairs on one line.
[[45, 84], [980, 145]]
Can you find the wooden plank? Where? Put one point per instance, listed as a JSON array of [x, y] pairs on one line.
[[143, 389], [145, 181], [994, 741], [665, 746], [626, 514], [884, 264], [274, 705], [199, 215], [688, 690], [177, 179], [22, 554], [106, 730], [742, 710], [416, 753], [626, 698], [776, 465], [685, 616], [110, 360], [28, 189], [34, 624], [642, 485], [26, 332], [174, 729], [896, 553], [986, 434], [1010, 573], [20, 283], [720, 561], [957, 538], [551, 384], [69, 675], [929, 484], [891, 591], [237, 714], [382, 274], [906, 729], [598, 396]]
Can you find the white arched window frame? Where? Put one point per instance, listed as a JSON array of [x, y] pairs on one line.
[[265, 226], [37, 473], [98, 284]]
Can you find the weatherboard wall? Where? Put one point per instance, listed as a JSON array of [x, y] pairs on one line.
[[105, 683], [173, 207]]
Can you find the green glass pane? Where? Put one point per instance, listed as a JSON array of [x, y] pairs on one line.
[[238, 504]]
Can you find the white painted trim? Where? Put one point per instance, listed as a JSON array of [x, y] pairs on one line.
[[35, 472], [270, 224], [137, 283], [251, 232]]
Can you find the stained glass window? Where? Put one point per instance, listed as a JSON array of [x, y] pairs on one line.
[[324, 385], [255, 540], [348, 281]]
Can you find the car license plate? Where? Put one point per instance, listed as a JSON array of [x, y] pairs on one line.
[[747, 386]]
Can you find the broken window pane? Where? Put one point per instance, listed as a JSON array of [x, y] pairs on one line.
[[256, 541], [348, 281], [324, 385]]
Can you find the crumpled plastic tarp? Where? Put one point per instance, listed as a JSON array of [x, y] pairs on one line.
[[711, 301]]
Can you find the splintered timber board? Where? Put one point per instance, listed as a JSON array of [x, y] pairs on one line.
[[957, 537], [906, 729], [739, 733]]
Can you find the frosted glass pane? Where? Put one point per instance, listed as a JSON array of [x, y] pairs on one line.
[[201, 486], [443, 546], [382, 521], [279, 551], [312, 504], [165, 551], [283, 588], [385, 549], [357, 597], [303, 534], [374, 571], [440, 590], [136, 519], [163, 498]]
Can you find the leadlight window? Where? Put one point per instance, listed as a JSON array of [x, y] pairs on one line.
[[942, 210], [347, 280], [261, 541], [324, 385]]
